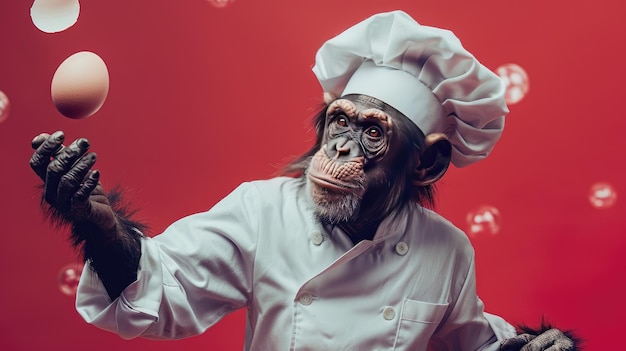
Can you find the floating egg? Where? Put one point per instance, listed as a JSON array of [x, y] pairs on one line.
[[52, 16], [80, 85]]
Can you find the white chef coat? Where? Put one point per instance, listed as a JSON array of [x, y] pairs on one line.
[[305, 286]]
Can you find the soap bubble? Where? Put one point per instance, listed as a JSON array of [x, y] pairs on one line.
[[515, 81], [484, 220], [4, 107], [602, 195], [68, 278], [220, 3], [52, 16]]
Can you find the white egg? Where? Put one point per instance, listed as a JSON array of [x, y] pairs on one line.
[[80, 85], [52, 16]]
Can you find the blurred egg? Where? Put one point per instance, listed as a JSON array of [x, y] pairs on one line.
[[4, 107], [52, 16], [221, 3], [80, 85]]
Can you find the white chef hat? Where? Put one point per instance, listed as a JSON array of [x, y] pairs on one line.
[[423, 72]]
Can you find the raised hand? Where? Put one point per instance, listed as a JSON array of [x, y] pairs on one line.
[[71, 187], [73, 195]]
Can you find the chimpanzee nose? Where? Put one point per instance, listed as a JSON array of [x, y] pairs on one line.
[[344, 148]]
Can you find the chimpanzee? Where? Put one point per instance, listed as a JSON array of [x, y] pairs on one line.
[[344, 251]]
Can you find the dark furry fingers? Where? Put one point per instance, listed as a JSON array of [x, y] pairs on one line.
[[61, 168], [75, 180], [80, 204], [46, 146], [516, 343], [551, 339]]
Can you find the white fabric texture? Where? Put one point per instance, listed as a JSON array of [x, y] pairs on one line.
[[423, 72], [304, 286]]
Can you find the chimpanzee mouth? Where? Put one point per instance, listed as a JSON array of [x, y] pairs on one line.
[[332, 184]]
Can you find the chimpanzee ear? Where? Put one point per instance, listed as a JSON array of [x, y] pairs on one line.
[[434, 159]]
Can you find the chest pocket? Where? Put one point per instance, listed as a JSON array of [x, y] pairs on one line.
[[418, 322]]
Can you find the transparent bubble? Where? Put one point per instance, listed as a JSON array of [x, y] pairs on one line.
[[515, 80], [220, 3], [68, 278], [4, 107], [484, 220], [602, 195], [53, 16]]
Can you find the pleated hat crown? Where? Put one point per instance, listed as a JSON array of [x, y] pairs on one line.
[[423, 72]]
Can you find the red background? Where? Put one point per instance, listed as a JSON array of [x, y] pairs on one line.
[[203, 98]]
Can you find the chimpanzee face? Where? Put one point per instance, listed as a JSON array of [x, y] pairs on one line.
[[359, 154]]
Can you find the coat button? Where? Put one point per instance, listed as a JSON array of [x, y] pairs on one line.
[[316, 237], [389, 313], [402, 248], [306, 299]]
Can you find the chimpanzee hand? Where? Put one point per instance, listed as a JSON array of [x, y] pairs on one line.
[[549, 340], [100, 226], [71, 188]]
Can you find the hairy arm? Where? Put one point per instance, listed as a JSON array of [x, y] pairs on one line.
[[100, 224]]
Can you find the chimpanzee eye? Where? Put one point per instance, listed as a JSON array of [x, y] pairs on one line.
[[373, 140], [373, 132], [338, 125], [341, 121]]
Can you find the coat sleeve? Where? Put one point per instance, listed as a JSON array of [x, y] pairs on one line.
[[468, 326], [190, 276]]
